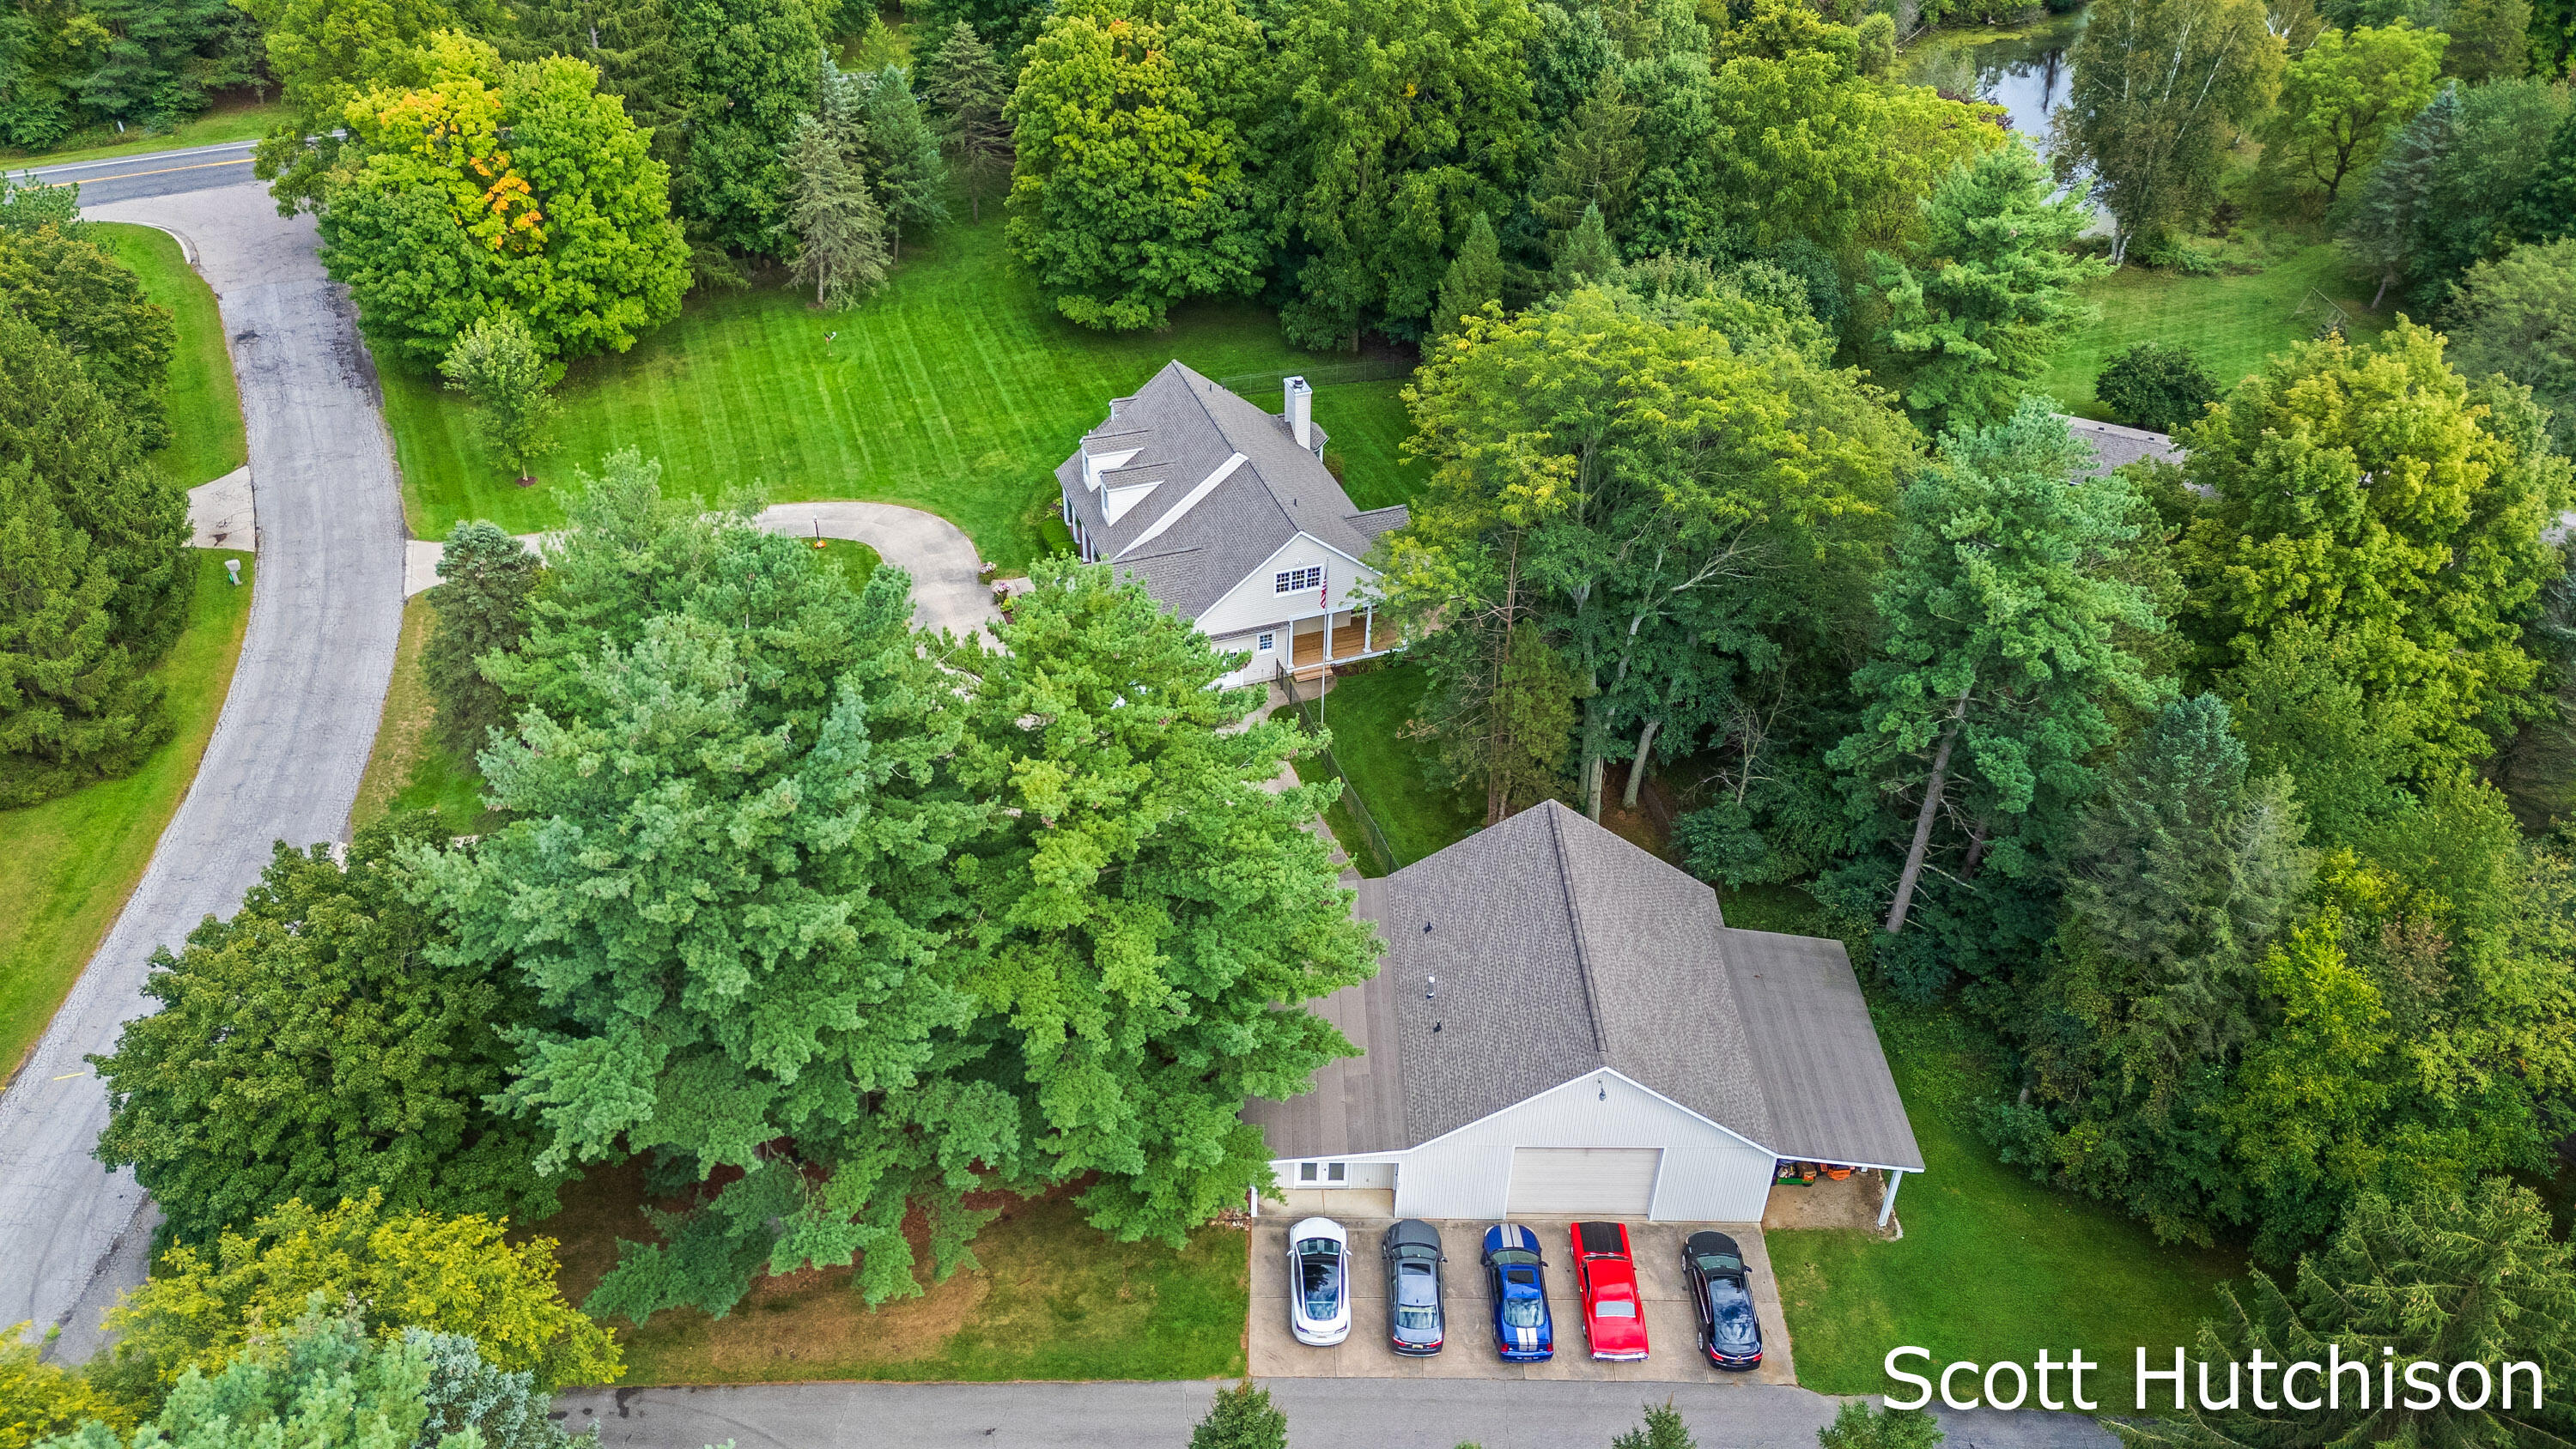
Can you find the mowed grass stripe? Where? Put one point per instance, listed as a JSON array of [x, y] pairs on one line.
[[956, 389]]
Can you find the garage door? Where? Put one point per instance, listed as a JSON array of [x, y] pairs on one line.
[[1609, 1181]]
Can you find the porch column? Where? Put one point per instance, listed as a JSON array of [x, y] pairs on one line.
[[1368, 625], [1887, 1204], [1328, 636]]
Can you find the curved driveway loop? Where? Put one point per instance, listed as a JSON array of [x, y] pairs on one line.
[[946, 593], [286, 754]]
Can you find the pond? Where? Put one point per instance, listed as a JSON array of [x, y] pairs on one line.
[[2023, 69]]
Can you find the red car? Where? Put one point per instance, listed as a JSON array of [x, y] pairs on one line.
[[1605, 1278]]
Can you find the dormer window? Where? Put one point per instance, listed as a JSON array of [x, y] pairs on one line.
[[1289, 581]]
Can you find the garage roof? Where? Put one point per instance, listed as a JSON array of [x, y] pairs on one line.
[[1554, 948]]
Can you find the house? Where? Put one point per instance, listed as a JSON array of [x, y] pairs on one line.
[[2115, 446], [1564, 1024], [1228, 516]]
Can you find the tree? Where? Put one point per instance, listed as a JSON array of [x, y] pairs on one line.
[[752, 71], [503, 1409], [1996, 293], [500, 368], [320, 1384], [630, 43], [2489, 40], [1147, 914], [73, 707], [789, 1017], [1663, 1429], [2156, 386], [2546, 210], [327, 53], [310, 1048], [966, 84], [2436, 1276], [200, 1312], [481, 608], [1595, 160], [1586, 258], [2296, 698], [1476, 278], [2387, 229], [95, 306], [1858, 1426], [491, 188], [2421, 543], [2517, 316], [1651, 472], [840, 234], [2157, 86], [2345, 95], [1403, 120], [894, 145], [39, 1401], [2002, 656], [1241, 1418], [1132, 191]]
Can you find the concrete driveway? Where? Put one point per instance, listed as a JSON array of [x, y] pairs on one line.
[[1672, 1329]]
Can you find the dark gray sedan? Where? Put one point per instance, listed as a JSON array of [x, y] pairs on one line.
[[1416, 1318]]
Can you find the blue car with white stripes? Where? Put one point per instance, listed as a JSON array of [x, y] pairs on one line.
[[1516, 1277]]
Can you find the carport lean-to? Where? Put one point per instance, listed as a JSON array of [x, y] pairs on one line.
[[1564, 1024]]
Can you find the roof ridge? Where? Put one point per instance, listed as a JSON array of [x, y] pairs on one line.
[[1230, 441], [1574, 918]]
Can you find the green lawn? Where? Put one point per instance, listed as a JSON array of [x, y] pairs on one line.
[[1393, 775], [1051, 1298], [2232, 322], [67, 865], [206, 439], [237, 121], [1992, 1266], [955, 389]]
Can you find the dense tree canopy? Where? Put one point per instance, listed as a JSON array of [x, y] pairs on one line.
[[2158, 86], [316, 1381], [492, 188], [2517, 316], [308, 1047], [2346, 94], [94, 305], [1132, 190], [748, 71], [2418, 539]]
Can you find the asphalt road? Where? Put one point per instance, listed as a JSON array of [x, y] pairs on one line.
[[1322, 1414], [162, 173], [290, 745]]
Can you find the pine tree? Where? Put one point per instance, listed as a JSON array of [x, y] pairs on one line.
[[481, 607], [1663, 1429], [2446, 1277], [2546, 210], [967, 85], [1595, 160], [1976, 323], [72, 706], [1475, 278], [2387, 230], [1241, 1418], [1858, 1426], [2003, 616], [899, 154], [1585, 258], [840, 233]]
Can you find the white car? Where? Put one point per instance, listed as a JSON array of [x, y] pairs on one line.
[[1319, 1282]]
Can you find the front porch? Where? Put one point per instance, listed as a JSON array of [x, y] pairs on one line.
[[1318, 642]]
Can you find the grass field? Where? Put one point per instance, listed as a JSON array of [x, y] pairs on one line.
[[956, 389], [233, 121], [2232, 322], [411, 768], [66, 866], [1053, 1298], [1393, 775], [206, 440], [1992, 1266]]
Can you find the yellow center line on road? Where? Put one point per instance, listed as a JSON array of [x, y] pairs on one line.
[[67, 1076], [166, 170]]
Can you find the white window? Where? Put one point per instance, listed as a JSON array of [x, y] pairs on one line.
[[1289, 581], [1335, 1172], [1306, 1171], [1266, 643]]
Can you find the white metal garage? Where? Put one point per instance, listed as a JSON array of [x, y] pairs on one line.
[[1612, 1182]]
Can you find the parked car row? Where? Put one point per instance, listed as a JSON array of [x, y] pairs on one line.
[[1515, 1268]]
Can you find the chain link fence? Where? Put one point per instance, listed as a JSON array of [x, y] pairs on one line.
[[1309, 709]]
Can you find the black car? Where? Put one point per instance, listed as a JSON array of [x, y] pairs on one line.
[[1417, 1319], [1722, 1292]]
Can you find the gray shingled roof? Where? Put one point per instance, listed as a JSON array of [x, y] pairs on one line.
[[1560, 948], [1184, 428], [2114, 445]]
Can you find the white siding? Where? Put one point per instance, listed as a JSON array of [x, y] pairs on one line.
[[1250, 604], [1610, 1182], [1711, 1175]]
